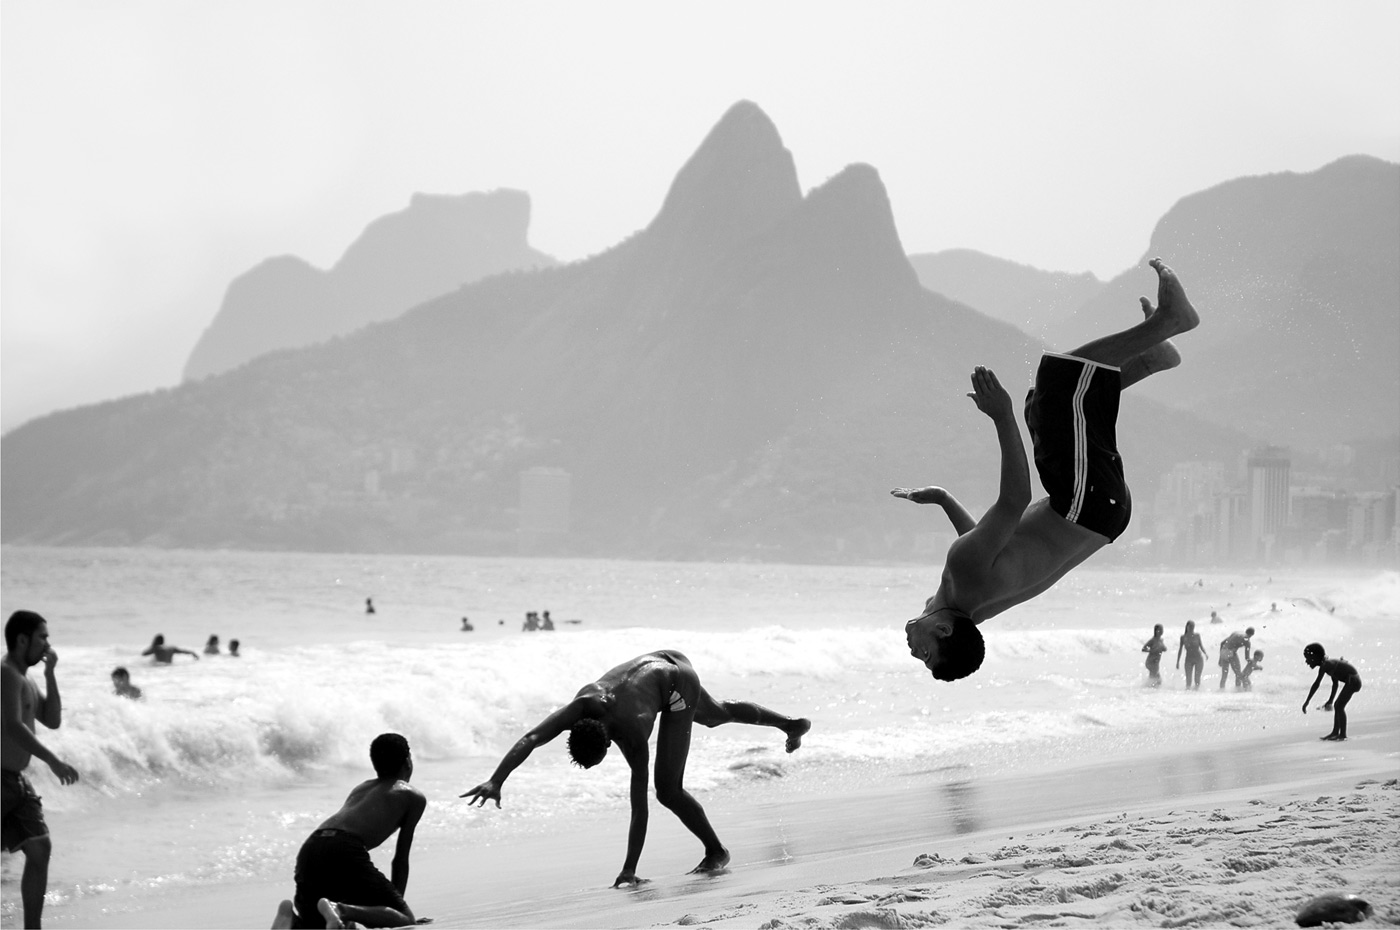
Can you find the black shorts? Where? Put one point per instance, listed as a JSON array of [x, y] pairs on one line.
[[1072, 413], [23, 818], [335, 864]]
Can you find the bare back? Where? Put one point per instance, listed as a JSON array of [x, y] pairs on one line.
[[632, 694], [376, 808]]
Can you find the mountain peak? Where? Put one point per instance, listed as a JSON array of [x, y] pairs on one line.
[[740, 181]]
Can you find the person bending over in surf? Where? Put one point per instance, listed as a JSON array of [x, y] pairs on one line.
[[336, 880], [1343, 673], [622, 707], [1019, 549]]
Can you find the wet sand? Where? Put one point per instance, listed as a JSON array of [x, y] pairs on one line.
[[1214, 836]]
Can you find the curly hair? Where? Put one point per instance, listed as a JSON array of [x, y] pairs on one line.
[[961, 652], [588, 742], [388, 753]]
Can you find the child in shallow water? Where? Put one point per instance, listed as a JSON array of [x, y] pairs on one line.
[[1255, 663]]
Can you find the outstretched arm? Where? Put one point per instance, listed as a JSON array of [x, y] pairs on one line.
[[546, 730], [1312, 690], [957, 514], [994, 530]]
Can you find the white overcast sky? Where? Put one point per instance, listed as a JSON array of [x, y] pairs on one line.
[[150, 152]]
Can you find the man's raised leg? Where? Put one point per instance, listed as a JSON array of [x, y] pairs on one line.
[[712, 713], [1173, 316]]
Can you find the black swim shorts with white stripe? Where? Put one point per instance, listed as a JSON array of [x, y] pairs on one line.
[[1072, 412]]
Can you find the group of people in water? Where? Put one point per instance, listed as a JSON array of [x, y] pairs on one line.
[[1193, 649], [1014, 552], [163, 654]]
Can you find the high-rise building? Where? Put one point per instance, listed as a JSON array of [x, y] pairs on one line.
[[1268, 470]]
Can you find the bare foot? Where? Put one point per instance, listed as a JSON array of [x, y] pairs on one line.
[[1163, 356], [795, 731], [1172, 303], [284, 918], [331, 913], [712, 863]]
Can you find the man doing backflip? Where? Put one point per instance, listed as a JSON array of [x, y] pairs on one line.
[[622, 707], [1018, 549]]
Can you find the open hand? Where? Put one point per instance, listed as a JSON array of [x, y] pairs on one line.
[[988, 394], [482, 792], [929, 495], [628, 877]]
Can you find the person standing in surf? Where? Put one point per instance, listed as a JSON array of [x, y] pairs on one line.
[[1154, 648], [22, 828], [1019, 549], [1343, 673], [622, 707], [1195, 650], [337, 883]]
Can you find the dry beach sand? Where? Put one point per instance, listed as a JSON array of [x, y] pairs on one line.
[[1213, 836]]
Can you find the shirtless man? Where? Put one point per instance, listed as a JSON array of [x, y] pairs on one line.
[[336, 881], [1230, 654], [622, 707], [164, 655], [21, 703], [1018, 549], [1343, 673]]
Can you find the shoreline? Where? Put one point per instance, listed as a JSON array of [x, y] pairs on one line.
[[849, 859]]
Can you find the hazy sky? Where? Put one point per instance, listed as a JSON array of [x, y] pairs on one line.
[[150, 152]]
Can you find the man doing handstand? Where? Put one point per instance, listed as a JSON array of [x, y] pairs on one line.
[[622, 707], [1018, 549]]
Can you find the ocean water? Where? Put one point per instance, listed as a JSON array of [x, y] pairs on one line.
[[218, 774]]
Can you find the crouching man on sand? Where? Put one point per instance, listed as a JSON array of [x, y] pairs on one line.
[[336, 881], [622, 707]]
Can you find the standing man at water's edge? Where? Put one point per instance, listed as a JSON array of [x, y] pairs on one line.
[[622, 707], [1018, 549], [27, 644]]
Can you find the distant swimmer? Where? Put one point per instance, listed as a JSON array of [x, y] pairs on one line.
[[622, 707], [467, 625], [1018, 549], [1255, 663], [211, 646], [545, 622], [369, 605], [336, 881], [1195, 650], [122, 686], [1344, 674], [1154, 648], [163, 654], [1216, 618], [22, 828], [532, 622], [233, 648], [1229, 654]]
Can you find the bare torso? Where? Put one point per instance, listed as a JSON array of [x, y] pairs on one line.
[[375, 809], [16, 755], [628, 698], [1041, 550]]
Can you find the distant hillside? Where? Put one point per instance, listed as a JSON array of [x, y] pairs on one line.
[[744, 378], [1298, 280], [434, 246], [1034, 301]]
